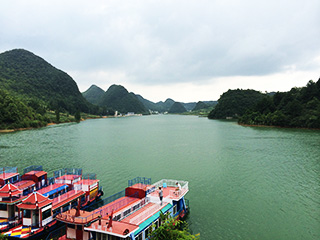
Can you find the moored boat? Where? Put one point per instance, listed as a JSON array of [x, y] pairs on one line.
[[33, 211], [129, 214]]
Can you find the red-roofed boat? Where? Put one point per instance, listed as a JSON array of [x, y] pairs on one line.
[[28, 210]]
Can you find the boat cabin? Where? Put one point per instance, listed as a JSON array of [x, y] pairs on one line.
[[36, 210], [10, 195], [9, 175]]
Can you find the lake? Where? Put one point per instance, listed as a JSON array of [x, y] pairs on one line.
[[245, 182]]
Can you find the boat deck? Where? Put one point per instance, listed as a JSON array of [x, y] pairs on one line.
[[170, 192]]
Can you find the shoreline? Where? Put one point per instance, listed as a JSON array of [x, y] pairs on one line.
[[254, 125]]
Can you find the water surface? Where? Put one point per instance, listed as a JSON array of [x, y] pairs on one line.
[[245, 182]]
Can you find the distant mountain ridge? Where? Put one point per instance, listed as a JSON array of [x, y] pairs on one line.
[[95, 95], [116, 98]]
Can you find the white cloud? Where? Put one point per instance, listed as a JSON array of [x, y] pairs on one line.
[[167, 44]]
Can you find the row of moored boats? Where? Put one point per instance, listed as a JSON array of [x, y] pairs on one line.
[[33, 206]]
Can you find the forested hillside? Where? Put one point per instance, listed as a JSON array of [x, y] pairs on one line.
[[16, 114], [234, 103], [300, 107], [119, 99], [177, 107], [29, 77]]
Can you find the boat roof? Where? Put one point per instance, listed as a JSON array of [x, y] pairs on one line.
[[118, 229], [52, 189], [86, 217], [36, 173], [68, 177], [170, 192], [87, 182], [23, 184], [66, 198], [34, 200], [5, 176], [146, 212], [9, 190]]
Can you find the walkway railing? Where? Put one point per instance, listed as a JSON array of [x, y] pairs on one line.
[[142, 180], [145, 214], [67, 171], [32, 168], [170, 183], [105, 210], [65, 196]]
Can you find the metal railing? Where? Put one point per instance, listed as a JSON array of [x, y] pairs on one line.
[[91, 176], [32, 168], [142, 180], [67, 171], [171, 183], [103, 211], [65, 196], [145, 214], [8, 170]]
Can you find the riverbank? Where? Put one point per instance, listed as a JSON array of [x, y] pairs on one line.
[[49, 124], [254, 125]]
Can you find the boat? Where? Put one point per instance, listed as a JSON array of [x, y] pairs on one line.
[[129, 214], [30, 213]]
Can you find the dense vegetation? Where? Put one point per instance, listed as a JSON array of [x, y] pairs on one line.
[[300, 107], [234, 103], [29, 77], [157, 107], [172, 229], [200, 105], [93, 94], [34, 93], [177, 108]]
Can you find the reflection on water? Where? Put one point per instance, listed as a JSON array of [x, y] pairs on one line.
[[245, 182]]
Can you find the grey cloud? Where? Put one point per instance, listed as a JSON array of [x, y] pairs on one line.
[[156, 42]]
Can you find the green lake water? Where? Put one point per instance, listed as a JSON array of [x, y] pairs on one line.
[[244, 182]]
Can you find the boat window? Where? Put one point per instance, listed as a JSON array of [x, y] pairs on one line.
[[3, 207], [46, 214], [27, 213], [174, 209], [139, 237], [136, 207]]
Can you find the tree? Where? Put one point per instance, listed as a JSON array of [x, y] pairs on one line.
[[77, 116], [172, 229]]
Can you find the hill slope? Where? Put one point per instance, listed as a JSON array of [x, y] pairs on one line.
[[28, 76], [119, 99], [234, 103], [300, 107], [93, 94], [177, 108]]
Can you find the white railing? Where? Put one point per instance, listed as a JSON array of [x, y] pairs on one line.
[[170, 183], [145, 214]]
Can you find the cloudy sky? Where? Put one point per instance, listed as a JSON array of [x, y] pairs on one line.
[[185, 50]]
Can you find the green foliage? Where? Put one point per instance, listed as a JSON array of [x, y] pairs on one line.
[[3, 237], [200, 105], [177, 108], [77, 116], [93, 94], [32, 79], [234, 103], [172, 229], [300, 107], [16, 114]]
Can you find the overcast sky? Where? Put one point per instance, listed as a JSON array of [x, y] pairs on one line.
[[184, 50]]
